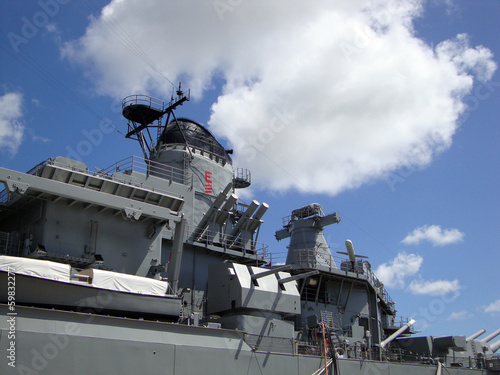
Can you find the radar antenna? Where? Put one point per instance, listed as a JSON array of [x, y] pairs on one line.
[[145, 113]]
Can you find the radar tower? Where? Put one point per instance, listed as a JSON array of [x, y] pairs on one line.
[[145, 113]]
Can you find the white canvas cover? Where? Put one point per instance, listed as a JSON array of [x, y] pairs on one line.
[[125, 283], [36, 267]]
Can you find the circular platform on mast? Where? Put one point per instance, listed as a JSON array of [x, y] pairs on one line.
[[242, 179], [142, 109]]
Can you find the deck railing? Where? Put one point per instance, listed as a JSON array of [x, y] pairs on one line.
[[221, 239], [125, 166], [148, 167], [144, 100]]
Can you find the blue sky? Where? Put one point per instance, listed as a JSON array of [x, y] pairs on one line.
[[388, 114]]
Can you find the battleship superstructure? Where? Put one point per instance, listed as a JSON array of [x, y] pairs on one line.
[[154, 265]]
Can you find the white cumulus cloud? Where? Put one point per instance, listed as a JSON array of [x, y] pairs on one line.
[[493, 307], [11, 128], [435, 235], [460, 315], [393, 273], [317, 96], [434, 288]]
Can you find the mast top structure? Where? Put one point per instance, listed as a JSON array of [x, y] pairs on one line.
[[145, 113]]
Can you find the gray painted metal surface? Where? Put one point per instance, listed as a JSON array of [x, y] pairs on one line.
[[176, 216], [59, 342]]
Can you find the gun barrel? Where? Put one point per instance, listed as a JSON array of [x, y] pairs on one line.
[[298, 277], [256, 276], [476, 335], [492, 336], [384, 343], [495, 346]]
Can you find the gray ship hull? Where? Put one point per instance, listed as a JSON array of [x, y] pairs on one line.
[[54, 342]]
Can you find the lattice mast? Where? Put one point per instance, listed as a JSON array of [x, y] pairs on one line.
[[145, 113]]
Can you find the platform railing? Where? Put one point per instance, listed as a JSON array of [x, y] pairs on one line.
[[132, 163], [220, 239], [359, 351], [143, 100], [4, 196], [200, 145], [308, 258], [377, 284], [406, 356], [36, 170], [148, 167]]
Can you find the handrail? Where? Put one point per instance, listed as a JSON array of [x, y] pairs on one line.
[[36, 168], [143, 100], [149, 167], [132, 163], [4, 194], [257, 248], [308, 255], [203, 146]]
